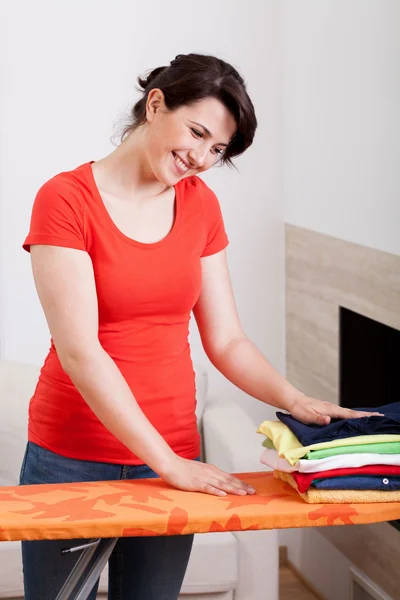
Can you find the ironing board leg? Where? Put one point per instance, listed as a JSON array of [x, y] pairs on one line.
[[104, 547]]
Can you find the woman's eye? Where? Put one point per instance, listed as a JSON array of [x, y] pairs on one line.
[[218, 151], [197, 133]]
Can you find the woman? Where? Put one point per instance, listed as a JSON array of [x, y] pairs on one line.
[[122, 251]]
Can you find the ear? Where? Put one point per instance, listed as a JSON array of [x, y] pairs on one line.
[[155, 102]]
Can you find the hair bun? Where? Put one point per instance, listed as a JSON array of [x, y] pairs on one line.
[[190, 78], [144, 82]]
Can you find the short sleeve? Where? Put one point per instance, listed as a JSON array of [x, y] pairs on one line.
[[216, 239], [57, 215]]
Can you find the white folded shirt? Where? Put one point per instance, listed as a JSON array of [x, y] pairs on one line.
[[271, 458]]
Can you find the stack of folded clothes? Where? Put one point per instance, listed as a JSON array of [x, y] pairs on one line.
[[348, 460]]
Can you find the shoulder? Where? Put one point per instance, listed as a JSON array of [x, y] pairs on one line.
[[194, 184], [194, 187], [64, 184], [58, 214], [63, 194]]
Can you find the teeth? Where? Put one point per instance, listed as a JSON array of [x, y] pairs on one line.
[[181, 164]]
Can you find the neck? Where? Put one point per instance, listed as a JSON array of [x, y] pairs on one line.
[[125, 172]]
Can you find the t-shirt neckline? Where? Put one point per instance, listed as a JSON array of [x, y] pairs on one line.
[[170, 235]]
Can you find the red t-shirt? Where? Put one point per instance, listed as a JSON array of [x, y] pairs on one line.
[[305, 480], [145, 294]]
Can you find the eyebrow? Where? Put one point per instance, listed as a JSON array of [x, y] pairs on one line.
[[208, 132]]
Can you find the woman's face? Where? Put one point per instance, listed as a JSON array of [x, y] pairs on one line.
[[185, 141]]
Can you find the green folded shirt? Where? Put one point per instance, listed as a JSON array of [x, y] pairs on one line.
[[382, 448], [268, 444]]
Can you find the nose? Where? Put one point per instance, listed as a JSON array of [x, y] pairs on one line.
[[198, 156]]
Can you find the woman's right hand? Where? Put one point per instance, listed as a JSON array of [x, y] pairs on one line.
[[194, 476]]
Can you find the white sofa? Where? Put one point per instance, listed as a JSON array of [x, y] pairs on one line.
[[223, 566]]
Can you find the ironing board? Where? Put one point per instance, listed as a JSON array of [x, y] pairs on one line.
[[105, 511]]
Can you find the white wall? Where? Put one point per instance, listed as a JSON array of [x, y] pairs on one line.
[[70, 72], [341, 119], [341, 165]]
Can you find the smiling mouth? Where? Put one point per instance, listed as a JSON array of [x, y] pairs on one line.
[[183, 168]]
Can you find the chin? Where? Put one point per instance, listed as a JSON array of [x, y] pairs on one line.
[[165, 178], [169, 180], [168, 177]]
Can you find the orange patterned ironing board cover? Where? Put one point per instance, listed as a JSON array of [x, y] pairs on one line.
[[151, 507]]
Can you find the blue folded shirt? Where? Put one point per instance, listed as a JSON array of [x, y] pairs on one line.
[[359, 482], [344, 428]]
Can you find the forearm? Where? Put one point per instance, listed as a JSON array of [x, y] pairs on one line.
[[103, 387], [245, 366]]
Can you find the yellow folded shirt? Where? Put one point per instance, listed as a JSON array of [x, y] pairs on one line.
[[289, 447], [314, 496]]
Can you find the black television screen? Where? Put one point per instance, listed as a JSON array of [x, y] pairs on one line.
[[369, 361]]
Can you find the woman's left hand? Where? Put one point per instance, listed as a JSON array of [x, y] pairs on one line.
[[312, 411]]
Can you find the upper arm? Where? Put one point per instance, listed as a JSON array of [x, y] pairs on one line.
[[215, 311], [65, 284]]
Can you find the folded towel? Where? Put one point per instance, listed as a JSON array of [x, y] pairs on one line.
[[313, 496]]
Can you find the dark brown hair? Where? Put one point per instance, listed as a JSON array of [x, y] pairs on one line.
[[192, 77]]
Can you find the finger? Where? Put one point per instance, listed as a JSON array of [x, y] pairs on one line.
[[323, 419], [363, 413], [356, 414], [228, 485], [231, 488], [248, 488], [314, 417], [235, 482], [210, 489], [224, 476]]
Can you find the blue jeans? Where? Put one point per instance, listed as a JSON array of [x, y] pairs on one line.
[[143, 568]]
